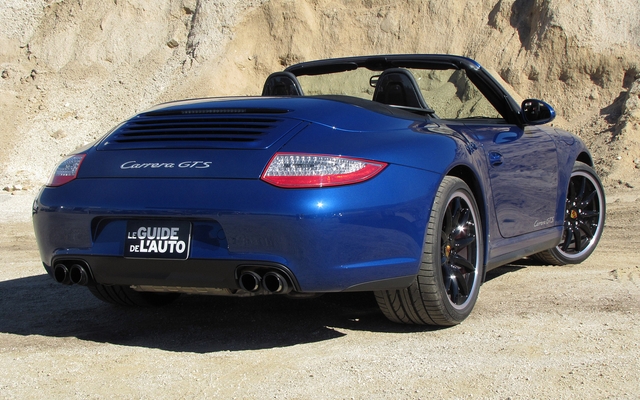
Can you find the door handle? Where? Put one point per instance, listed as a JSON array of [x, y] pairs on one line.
[[495, 158]]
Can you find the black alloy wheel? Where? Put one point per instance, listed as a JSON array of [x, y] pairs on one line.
[[447, 285], [458, 251], [583, 219]]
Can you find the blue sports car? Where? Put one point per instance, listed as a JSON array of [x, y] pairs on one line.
[[407, 175]]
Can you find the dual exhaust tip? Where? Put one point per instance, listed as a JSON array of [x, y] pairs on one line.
[[76, 274], [272, 282]]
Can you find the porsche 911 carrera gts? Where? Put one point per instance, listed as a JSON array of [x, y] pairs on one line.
[[410, 176]]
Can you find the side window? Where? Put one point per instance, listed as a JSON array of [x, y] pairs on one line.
[[452, 95]]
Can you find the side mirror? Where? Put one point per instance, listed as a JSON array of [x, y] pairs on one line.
[[537, 112]]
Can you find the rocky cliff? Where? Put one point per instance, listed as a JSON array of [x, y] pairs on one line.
[[73, 69]]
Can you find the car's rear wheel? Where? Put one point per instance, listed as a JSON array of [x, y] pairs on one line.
[[447, 284], [125, 296], [583, 219]]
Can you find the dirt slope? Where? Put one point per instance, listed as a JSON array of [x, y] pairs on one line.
[[537, 332], [73, 69]]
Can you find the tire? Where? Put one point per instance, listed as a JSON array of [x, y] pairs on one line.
[[583, 219], [125, 296], [447, 285]]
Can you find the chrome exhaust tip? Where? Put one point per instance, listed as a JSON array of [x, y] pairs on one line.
[[61, 274], [273, 282], [249, 281], [79, 275]]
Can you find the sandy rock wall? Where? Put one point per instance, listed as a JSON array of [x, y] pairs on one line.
[[73, 69]]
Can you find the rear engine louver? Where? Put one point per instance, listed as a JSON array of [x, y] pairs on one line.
[[201, 128]]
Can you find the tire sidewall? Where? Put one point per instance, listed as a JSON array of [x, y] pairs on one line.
[[449, 189]]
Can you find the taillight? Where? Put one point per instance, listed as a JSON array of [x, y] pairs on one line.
[[67, 170], [296, 170]]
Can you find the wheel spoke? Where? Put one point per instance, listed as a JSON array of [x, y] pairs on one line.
[[588, 198], [464, 263], [454, 290], [578, 240], [572, 191], [447, 223], [450, 284], [464, 217], [447, 283], [583, 187], [456, 211], [461, 283], [463, 243], [444, 236], [587, 230], [590, 214], [568, 238]]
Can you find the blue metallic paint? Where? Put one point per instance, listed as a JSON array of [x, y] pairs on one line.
[[325, 237], [524, 180], [331, 239]]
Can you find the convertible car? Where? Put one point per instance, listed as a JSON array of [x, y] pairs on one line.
[[410, 176]]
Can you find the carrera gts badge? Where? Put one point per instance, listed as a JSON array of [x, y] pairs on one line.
[[183, 164]]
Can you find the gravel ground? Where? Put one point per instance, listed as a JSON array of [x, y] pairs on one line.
[[536, 332]]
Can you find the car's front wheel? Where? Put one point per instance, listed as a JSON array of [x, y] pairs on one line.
[[583, 219], [447, 284], [125, 296]]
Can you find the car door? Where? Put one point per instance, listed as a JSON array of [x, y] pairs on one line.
[[523, 170]]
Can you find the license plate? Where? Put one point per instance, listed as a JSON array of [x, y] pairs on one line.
[[158, 239]]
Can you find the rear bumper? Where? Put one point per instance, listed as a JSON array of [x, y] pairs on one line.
[[359, 237]]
